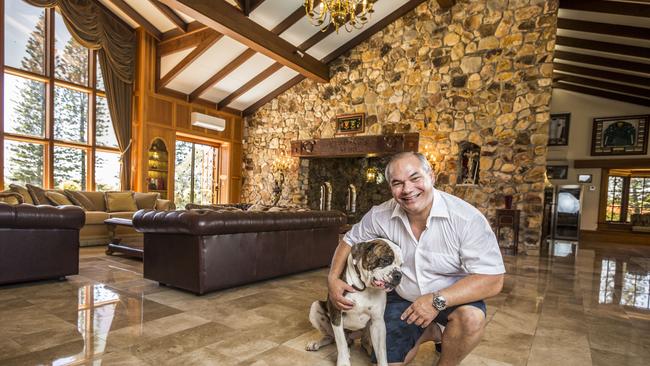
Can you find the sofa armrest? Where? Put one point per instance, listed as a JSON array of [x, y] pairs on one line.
[[209, 222], [25, 216], [164, 205]]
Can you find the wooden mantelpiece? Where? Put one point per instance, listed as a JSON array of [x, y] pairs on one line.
[[355, 146]]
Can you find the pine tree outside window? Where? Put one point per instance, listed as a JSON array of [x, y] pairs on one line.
[[57, 129]]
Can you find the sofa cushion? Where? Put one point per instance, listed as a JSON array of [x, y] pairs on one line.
[[146, 200], [38, 194], [120, 201], [164, 205], [96, 217], [122, 215], [11, 198], [79, 199], [58, 199], [97, 198], [23, 192]]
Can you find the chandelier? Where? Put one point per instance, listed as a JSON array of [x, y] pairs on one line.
[[351, 14]]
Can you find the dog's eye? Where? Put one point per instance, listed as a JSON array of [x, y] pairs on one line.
[[384, 262]]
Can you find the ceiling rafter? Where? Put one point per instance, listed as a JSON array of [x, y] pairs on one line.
[[621, 88], [338, 52], [603, 94], [610, 7], [136, 17], [198, 51], [179, 23], [602, 61], [247, 6], [227, 20], [219, 75], [250, 84], [604, 28], [602, 74], [176, 33], [183, 43], [589, 44]]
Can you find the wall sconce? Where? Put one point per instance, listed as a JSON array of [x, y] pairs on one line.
[[431, 157], [280, 166], [373, 175]]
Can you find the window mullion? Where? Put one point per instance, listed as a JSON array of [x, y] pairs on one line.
[[48, 170], [625, 199], [91, 120]]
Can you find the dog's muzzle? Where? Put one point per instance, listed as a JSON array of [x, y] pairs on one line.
[[395, 278]]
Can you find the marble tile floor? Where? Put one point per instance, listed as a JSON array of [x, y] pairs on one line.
[[574, 306]]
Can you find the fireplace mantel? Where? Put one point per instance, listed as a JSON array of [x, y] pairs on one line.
[[355, 146]]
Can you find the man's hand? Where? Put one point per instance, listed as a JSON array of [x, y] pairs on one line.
[[421, 312], [337, 289]]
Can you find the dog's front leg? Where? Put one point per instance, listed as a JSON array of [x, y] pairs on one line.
[[343, 356], [378, 338]]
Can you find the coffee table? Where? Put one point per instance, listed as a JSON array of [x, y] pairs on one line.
[[116, 245]]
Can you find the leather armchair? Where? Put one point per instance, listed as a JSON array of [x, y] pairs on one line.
[[206, 250], [39, 242]]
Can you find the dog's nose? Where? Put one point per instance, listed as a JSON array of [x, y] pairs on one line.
[[397, 276]]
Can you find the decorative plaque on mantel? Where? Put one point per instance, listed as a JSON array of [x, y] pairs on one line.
[[355, 146]]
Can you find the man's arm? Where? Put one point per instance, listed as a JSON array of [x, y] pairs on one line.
[[335, 285]]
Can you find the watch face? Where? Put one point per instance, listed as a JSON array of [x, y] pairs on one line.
[[439, 302]]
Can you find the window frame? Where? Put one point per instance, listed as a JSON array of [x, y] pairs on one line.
[[627, 176], [49, 142]]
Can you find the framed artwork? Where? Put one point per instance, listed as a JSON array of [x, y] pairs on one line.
[[558, 131], [627, 135], [557, 171], [584, 178], [350, 123]]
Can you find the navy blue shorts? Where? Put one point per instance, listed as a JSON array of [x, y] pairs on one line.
[[401, 336]]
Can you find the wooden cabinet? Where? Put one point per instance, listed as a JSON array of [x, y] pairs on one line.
[[158, 168]]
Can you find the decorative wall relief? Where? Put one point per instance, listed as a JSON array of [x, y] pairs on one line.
[[468, 163]]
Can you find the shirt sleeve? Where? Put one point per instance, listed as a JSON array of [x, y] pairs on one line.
[[479, 249], [364, 230]]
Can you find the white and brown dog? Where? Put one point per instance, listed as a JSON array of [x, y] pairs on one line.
[[373, 269]]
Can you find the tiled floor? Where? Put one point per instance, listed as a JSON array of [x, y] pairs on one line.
[[577, 307]]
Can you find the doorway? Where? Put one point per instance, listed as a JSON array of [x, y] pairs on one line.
[[196, 170]]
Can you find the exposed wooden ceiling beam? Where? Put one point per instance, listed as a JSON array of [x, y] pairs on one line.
[[227, 20], [602, 74], [603, 61], [588, 44], [446, 4], [603, 94], [198, 51], [133, 14], [183, 43], [610, 7], [250, 84], [176, 33], [621, 88], [291, 19], [603, 28], [219, 75], [247, 6], [269, 97], [400, 12], [179, 23]]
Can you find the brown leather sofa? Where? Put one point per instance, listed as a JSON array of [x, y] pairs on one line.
[[206, 250], [39, 242]]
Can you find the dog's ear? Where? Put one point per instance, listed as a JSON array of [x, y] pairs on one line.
[[359, 249]]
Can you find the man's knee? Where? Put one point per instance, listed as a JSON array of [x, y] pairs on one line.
[[470, 319]]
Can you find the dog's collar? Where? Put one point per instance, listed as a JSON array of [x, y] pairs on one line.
[[354, 286]]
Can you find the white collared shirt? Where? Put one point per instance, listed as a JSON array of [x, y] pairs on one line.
[[457, 241]]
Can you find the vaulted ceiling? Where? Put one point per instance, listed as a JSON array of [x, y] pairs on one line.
[[240, 54]]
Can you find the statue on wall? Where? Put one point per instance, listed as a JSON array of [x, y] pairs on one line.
[[468, 163]]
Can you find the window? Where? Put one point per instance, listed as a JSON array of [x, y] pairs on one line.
[[628, 192], [74, 146], [195, 179]]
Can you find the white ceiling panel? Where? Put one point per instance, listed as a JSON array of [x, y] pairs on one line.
[[602, 54], [169, 61], [264, 88], [592, 66], [238, 77], [185, 17], [604, 38], [603, 79], [271, 12], [152, 14], [336, 40], [213, 60], [299, 32], [604, 18], [119, 13]]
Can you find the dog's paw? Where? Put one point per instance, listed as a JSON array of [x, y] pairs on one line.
[[313, 346], [343, 362]]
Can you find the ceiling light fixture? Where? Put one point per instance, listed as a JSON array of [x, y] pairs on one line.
[[351, 14]]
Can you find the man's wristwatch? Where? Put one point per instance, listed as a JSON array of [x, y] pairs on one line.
[[439, 302]]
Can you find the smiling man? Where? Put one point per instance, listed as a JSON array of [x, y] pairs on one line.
[[451, 264]]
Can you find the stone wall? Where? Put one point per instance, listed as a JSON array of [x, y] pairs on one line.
[[479, 73]]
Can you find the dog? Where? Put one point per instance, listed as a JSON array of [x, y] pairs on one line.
[[373, 269]]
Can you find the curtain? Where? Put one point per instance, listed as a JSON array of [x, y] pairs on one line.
[[95, 27]]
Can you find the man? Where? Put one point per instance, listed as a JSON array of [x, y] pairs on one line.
[[451, 263]]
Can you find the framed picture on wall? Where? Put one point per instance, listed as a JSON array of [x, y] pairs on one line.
[[557, 171], [350, 123], [558, 130], [584, 178], [626, 135]]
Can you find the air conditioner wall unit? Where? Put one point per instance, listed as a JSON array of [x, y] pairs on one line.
[[210, 122]]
